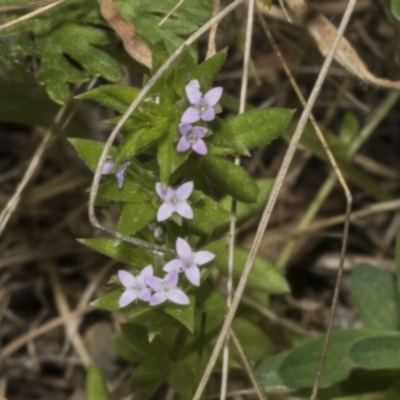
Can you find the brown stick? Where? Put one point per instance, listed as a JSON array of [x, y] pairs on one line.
[[135, 47]]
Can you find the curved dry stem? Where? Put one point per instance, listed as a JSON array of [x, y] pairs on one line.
[[96, 179], [31, 15], [212, 46], [272, 200]]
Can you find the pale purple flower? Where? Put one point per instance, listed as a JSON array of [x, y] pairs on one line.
[[202, 106], [188, 261], [166, 289], [192, 137], [108, 168], [174, 201], [135, 286]]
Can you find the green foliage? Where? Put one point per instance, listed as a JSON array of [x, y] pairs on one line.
[[375, 296], [96, 386], [395, 8], [77, 42]]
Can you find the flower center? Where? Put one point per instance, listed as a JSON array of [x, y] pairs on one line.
[[174, 200], [192, 136]]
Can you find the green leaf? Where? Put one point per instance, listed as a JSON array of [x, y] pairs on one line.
[[299, 368], [349, 130], [77, 42], [254, 340], [230, 178], [395, 7], [90, 151], [151, 371], [182, 380], [245, 211], [185, 69], [108, 302], [131, 192], [183, 314], [96, 386], [267, 372], [135, 217], [209, 300], [120, 251], [208, 70], [264, 275], [381, 352], [115, 97], [255, 128], [375, 296], [207, 214]]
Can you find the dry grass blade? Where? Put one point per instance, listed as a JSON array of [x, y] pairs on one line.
[[31, 15], [271, 203], [324, 32], [135, 47]]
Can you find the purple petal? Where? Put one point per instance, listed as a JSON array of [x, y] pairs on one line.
[[203, 257], [120, 178], [208, 114], [154, 282], [158, 298], [200, 147], [183, 249], [165, 211], [161, 191], [107, 166], [145, 295], [184, 191], [147, 271], [190, 115], [193, 94], [200, 131], [171, 279], [193, 276], [184, 210], [178, 296], [183, 144], [185, 128], [174, 265], [127, 297], [127, 279], [212, 97]]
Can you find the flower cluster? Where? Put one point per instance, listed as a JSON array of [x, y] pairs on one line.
[[154, 290], [202, 108]]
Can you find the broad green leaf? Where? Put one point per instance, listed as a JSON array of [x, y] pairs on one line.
[[77, 42], [245, 211], [254, 340], [96, 386], [395, 7], [135, 217], [120, 251], [230, 178], [254, 128], [90, 151], [164, 159], [109, 301], [151, 371], [379, 352], [12, 63], [264, 275], [115, 97], [208, 70], [299, 368], [183, 314], [130, 192], [207, 214], [209, 300], [267, 372], [182, 380], [146, 17], [349, 130], [184, 72], [375, 296]]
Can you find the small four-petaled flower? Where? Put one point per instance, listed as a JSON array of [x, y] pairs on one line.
[[174, 201], [188, 261], [135, 286], [166, 289], [202, 106], [108, 168], [192, 137]]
